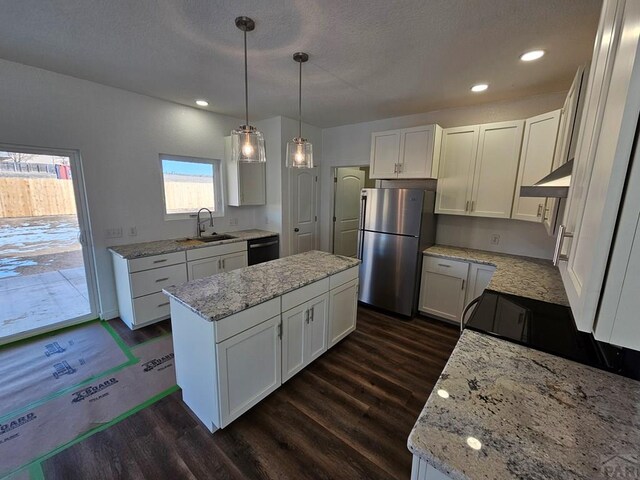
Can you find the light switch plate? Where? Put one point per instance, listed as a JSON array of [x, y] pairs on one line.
[[495, 239]]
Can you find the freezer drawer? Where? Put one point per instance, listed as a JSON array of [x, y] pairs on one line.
[[388, 271]]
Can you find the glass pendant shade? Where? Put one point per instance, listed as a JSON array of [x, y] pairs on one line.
[[247, 145], [299, 153]]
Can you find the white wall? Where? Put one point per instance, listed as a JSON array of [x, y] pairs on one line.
[[516, 237], [119, 135], [350, 145]]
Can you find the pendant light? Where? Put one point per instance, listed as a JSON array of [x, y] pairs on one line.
[[247, 143], [299, 151]]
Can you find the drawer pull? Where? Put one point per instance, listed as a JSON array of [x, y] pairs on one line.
[[163, 304], [160, 261], [162, 279], [443, 265]]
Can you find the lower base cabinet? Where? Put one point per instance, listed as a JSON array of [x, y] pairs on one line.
[[249, 365], [226, 367], [447, 286], [421, 470]]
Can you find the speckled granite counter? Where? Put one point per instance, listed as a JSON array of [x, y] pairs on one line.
[[222, 295], [522, 276], [535, 415], [160, 247]]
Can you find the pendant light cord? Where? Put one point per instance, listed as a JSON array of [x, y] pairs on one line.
[[246, 82], [300, 104]]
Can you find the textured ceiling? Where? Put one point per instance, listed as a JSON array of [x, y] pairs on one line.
[[369, 59]]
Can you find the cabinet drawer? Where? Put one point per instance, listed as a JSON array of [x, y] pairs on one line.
[[341, 278], [155, 261], [216, 250], [304, 294], [152, 281], [151, 307], [246, 319], [453, 268]]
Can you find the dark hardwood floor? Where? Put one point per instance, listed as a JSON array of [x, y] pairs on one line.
[[347, 415]]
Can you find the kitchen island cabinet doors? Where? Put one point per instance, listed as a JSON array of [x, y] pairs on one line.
[[343, 304]]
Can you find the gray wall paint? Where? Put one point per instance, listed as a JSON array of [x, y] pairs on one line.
[[350, 145]]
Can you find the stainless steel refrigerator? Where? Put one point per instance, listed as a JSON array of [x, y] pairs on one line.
[[396, 225]]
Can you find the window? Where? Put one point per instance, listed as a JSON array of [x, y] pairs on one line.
[[190, 184]]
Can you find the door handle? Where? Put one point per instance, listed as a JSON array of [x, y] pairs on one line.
[[296, 229], [557, 254]]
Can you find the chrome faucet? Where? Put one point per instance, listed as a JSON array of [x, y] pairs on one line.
[[199, 222]]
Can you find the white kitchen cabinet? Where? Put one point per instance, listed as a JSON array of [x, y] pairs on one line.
[[536, 162], [605, 143], [343, 308], [206, 261], [249, 366], [304, 334], [139, 284], [421, 470], [567, 141], [406, 153], [442, 288], [246, 182], [479, 277], [455, 176], [496, 168], [478, 169]]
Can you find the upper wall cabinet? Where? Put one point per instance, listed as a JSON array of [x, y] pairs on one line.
[[246, 182], [478, 169], [536, 161], [406, 153]]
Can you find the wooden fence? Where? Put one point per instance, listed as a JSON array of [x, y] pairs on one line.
[[35, 197]]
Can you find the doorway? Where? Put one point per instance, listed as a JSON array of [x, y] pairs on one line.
[[348, 183], [47, 277]]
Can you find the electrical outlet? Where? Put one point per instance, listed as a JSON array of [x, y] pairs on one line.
[[495, 239], [233, 221], [113, 232], [133, 231]]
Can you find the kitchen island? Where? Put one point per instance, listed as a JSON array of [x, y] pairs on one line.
[[502, 410], [239, 335]]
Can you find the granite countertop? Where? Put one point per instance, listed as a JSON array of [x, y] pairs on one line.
[[522, 276], [160, 247], [534, 415], [224, 294]]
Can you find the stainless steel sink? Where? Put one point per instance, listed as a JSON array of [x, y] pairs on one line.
[[214, 238]]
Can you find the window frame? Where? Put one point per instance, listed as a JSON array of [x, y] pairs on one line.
[[218, 184]]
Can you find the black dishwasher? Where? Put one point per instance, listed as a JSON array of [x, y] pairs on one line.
[[263, 249]]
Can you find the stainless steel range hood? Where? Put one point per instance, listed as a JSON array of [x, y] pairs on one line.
[[556, 184]]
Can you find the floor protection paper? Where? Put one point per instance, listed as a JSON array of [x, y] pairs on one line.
[[52, 426]]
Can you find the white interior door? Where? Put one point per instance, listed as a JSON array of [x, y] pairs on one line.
[[303, 185], [349, 182]]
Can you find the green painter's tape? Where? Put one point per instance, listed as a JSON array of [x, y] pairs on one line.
[[123, 346], [35, 471], [131, 360], [104, 426]]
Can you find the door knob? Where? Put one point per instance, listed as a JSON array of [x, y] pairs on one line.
[[296, 229]]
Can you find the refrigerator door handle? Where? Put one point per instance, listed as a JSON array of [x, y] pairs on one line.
[[363, 210]]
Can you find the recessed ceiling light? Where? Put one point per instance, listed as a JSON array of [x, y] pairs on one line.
[[481, 87], [532, 55], [202, 103]]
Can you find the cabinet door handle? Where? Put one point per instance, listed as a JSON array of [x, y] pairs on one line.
[[546, 216], [444, 265], [162, 279], [219, 265], [462, 284], [312, 312], [399, 168], [557, 254], [539, 210], [163, 304], [466, 207], [224, 265], [160, 261], [279, 330], [306, 316], [473, 205]]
